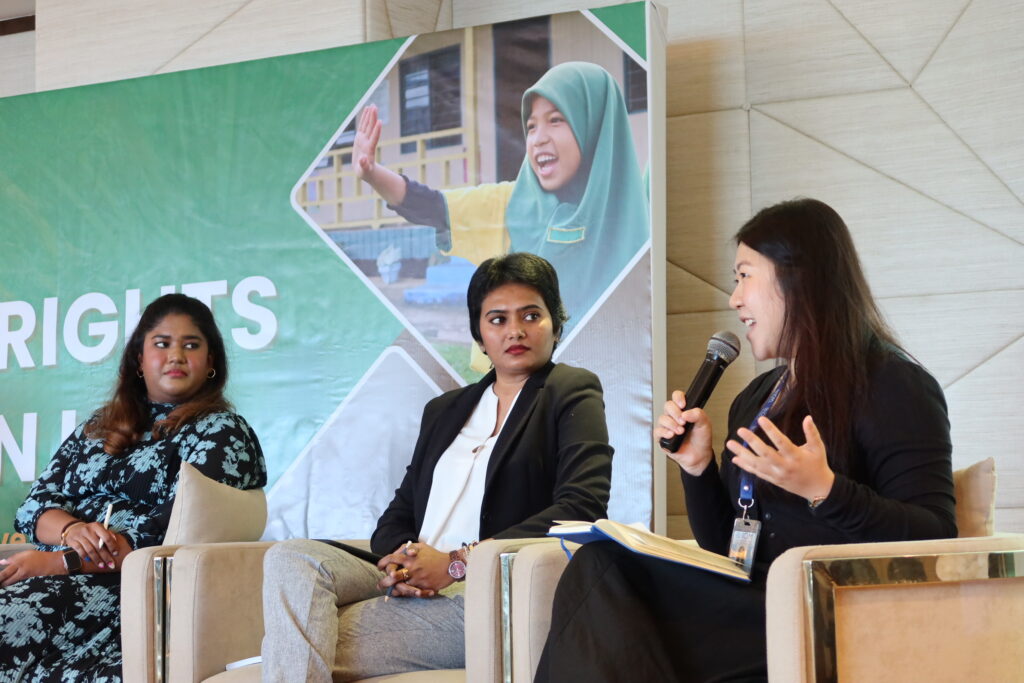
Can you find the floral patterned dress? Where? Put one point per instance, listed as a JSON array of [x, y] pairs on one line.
[[68, 628]]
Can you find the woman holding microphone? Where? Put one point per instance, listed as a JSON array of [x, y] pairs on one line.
[[846, 440]]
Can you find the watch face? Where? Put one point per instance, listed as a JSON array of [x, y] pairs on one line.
[[72, 562], [457, 569]]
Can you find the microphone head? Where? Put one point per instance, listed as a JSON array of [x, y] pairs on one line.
[[725, 345]]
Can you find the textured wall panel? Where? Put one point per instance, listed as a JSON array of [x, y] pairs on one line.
[[985, 324], [896, 133], [705, 56], [1009, 518], [689, 294], [708, 169], [14, 9], [806, 48], [907, 32], [975, 82], [909, 244], [123, 40], [984, 409], [397, 18], [475, 12], [17, 64], [267, 28]]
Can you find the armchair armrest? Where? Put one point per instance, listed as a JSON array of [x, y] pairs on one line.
[[139, 641], [913, 597], [8, 549], [484, 630], [534, 579], [217, 609]]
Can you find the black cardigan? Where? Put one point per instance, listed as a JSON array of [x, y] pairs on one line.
[[551, 461], [899, 485]]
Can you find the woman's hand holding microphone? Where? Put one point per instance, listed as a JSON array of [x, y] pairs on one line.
[[694, 425]]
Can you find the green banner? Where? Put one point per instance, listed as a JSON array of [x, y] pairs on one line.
[[229, 184]]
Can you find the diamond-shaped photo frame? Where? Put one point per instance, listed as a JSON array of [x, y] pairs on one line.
[[454, 113]]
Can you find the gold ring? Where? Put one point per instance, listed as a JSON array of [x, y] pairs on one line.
[[404, 571]]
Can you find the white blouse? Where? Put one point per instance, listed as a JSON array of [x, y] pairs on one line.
[[452, 516]]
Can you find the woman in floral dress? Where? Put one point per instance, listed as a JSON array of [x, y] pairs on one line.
[[60, 603]]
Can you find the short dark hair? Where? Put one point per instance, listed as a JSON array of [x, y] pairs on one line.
[[122, 420], [520, 267], [832, 324]]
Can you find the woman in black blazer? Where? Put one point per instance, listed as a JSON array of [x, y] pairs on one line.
[[845, 441], [502, 458], [558, 413]]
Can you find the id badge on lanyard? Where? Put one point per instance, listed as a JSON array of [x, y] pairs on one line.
[[746, 531], [743, 544]]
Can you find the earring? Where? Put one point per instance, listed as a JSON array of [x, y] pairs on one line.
[[212, 373], [138, 373]]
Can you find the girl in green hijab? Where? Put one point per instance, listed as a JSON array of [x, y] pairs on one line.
[[579, 199]]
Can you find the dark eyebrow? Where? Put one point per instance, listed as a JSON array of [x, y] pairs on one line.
[[521, 308], [188, 337]]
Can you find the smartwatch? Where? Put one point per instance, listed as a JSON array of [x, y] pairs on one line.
[[457, 566], [72, 562]]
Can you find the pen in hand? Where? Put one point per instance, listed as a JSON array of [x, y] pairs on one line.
[[106, 521]]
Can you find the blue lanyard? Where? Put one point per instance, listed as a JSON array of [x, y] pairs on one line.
[[746, 499]]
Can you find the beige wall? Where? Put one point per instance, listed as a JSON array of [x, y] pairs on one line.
[[17, 64], [144, 37], [903, 115]]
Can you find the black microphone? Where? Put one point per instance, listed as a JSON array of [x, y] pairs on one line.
[[723, 348]]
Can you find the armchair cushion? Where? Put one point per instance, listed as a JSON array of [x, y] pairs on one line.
[[207, 511], [976, 498]]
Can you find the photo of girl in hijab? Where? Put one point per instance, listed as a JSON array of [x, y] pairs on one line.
[[579, 199]]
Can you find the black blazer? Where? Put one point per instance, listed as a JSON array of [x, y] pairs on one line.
[[551, 461], [898, 484]]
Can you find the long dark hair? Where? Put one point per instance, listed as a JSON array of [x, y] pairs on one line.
[[832, 329], [125, 417], [522, 268]]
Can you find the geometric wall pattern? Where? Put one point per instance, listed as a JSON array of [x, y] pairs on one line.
[[902, 114]]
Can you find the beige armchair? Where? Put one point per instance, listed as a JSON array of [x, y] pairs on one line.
[[826, 605], [204, 511], [943, 610], [216, 614]]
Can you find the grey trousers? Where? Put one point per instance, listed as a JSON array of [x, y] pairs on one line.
[[323, 616]]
